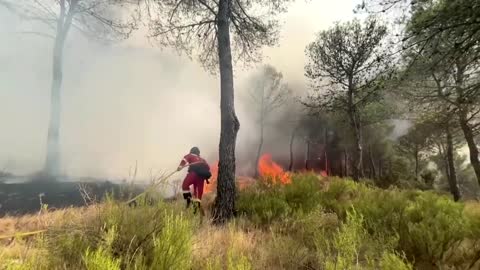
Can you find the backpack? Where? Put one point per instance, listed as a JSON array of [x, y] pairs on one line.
[[202, 170]]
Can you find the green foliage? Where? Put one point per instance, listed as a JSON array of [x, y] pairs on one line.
[[431, 225], [391, 261], [287, 252], [234, 261], [172, 247], [345, 247], [100, 260], [347, 220], [237, 261], [312, 223], [262, 206], [123, 237], [304, 192]]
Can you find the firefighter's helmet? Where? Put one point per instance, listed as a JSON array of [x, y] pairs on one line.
[[195, 151]]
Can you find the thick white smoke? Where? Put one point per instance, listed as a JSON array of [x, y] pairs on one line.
[[131, 102]]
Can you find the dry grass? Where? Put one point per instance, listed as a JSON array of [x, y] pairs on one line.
[[20, 248], [218, 244], [267, 248], [11, 225], [472, 208]]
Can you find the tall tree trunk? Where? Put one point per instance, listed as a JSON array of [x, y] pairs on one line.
[[307, 156], [463, 117], [262, 125], [259, 150], [443, 154], [325, 143], [372, 164], [472, 146], [357, 133], [452, 177], [52, 160], [345, 156], [224, 206], [380, 168], [416, 162], [292, 139]]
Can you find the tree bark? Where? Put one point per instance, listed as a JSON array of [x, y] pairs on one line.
[[357, 133], [372, 164], [292, 139], [380, 168], [259, 151], [224, 206], [472, 146], [307, 156], [416, 162], [452, 177], [462, 113], [262, 126], [325, 142], [52, 161], [346, 162]]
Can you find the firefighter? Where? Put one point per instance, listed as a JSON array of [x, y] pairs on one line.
[[198, 172]]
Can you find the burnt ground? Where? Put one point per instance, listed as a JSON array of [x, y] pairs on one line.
[[24, 197]]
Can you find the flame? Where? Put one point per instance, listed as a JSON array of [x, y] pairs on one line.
[[268, 169], [242, 181], [271, 171], [213, 180]]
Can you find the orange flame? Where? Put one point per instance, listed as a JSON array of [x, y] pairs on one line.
[[242, 182], [213, 180], [271, 171]]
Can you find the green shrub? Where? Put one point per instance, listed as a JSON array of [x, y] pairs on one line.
[[263, 207], [391, 261], [100, 260], [307, 227], [304, 193], [267, 203], [173, 246], [237, 261], [67, 245], [344, 250], [287, 252], [123, 237], [337, 197], [431, 225]]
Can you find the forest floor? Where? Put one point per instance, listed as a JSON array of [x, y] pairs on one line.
[[311, 223]]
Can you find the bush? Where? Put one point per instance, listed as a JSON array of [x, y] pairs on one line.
[[427, 225], [304, 193], [432, 225], [266, 203], [100, 260], [123, 237], [391, 261], [172, 247], [262, 206]]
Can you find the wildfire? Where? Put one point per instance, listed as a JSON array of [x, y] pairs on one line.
[[213, 180], [271, 171], [242, 181], [267, 168]]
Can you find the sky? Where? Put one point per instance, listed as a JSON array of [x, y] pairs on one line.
[[133, 103]]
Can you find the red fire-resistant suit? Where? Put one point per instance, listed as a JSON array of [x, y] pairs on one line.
[[192, 178]]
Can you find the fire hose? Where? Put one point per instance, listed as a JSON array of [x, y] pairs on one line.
[[154, 185]]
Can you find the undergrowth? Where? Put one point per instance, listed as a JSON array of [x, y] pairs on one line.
[[312, 223]]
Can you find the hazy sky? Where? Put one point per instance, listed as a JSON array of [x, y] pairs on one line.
[[131, 102]]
